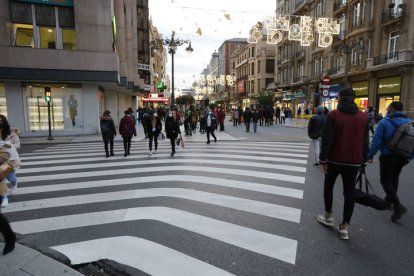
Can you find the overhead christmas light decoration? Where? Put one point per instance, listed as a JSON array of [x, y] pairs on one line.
[[212, 80], [298, 28]]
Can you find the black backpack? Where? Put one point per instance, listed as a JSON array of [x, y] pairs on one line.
[[402, 142]]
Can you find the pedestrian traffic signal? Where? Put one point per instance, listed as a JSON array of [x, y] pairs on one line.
[[162, 86], [48, 94]]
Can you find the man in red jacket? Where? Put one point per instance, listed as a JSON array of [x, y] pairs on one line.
[[127, 129], [345, 144], [220, 117]]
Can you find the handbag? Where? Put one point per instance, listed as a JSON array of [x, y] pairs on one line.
[[178, 140], [5, 169], [4, 189], [365, 197]]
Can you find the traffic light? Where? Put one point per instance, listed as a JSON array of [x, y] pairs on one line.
[[48, 94], [161, 86]]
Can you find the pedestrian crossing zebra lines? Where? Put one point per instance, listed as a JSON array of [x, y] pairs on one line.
[[71, 198]]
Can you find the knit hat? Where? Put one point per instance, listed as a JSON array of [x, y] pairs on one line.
[[347, 93]]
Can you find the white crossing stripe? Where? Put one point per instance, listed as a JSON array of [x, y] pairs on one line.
[[270, 245], [247, 205], [126, 162], [230, 183], [147, 256], [273, 176]]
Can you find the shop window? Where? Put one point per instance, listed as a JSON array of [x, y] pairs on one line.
[[69, 39], [23, 35], [3, 103], [47, 38], [384, 102]]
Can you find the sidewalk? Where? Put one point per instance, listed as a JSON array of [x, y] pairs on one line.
[[24, 261]]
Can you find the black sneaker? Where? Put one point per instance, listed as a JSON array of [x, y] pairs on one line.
[[316, 164], [398, 212]]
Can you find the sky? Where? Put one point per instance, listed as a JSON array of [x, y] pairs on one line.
[[207, 24]]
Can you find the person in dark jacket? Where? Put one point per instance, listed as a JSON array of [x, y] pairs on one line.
[[390, 165], [221, 115], [154, 127], [172, 129], [371, 117], [127, 130], [345, 142], [211, 125], [255, 119], [247, 117], [108, 132], [315, 129], [278, 115], [144, 120]]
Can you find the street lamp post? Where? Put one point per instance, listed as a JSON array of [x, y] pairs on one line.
[[48, 99], [173, 43]]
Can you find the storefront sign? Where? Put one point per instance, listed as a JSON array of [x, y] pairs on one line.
[[361, 88], [158, 100], [147, 87], [389, 85], [68, 3], [144, 67]]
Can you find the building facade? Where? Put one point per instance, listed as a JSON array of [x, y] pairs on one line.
[[86, 52]]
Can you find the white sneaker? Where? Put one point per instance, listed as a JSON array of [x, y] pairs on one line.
[[5, 202], [13, 189], [325, 221], [150, 153], [343, 234], [154, 152]]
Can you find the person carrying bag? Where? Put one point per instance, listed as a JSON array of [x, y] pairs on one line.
[[364, 197]]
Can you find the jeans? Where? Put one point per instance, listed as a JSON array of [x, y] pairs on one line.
[[317, 148], [390, 170], [11, 177], [153, 136], [255, 126], [348, 174], [247, 124], [127, 143], [210, 130], [111, 145]]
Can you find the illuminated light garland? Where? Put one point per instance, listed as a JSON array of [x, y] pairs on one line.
[[299, 28], [212, 80]]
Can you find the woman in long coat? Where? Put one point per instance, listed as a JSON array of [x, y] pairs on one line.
[[108, 132], [172, 129]]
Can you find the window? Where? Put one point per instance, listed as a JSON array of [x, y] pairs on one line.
[[356, 15], [252, 69], [371, 12], [364, 4], [369, 48], [259, 63], [393, 45], [317, 67], [270, 66], [43, 26], [3, 105], [318, 9], [23, 35]]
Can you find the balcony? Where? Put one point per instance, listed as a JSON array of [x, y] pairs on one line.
[[391, 59], [300, 54], [301, 5], [336, 71], [394, 14], [299, 79], [339, 6]]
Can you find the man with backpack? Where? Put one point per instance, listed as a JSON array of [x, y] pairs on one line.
[[394, 137]]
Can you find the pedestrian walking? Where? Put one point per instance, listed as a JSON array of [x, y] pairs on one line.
[[299, 112], [247, 117], [10, 142], [221, 116], [172, 129], [255, 119], [315, 129], [288, 115], [371, 117], [144, 121], [261, 115], [236, 117], [282, 116], [108, 132], [154, 129], [391, 165], [211, 125], [278, 119], [127, 130], [131, 112], [339, 156]]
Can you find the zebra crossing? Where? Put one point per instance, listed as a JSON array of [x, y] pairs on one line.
[[227, 208]]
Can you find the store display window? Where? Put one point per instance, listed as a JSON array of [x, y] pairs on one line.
[[385, 101], [66, 107], [3, 103]]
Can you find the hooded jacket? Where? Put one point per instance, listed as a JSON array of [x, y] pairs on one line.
[[108, 130], [385, 131], [345, 138]]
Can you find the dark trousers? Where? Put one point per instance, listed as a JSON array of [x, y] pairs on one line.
[[172, 140], [261, 121], [390, 170], [5, 229], [247, 124], [111, 145], [210, 131], [153, 136], [348, 174], [127, 143], [221, 126], [278, 120], [235, 122]]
